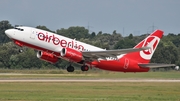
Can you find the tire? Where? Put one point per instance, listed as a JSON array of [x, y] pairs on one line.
[[20, 50], [70, 69], [85, 68]]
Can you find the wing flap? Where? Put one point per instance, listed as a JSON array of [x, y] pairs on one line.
[[154, 65]]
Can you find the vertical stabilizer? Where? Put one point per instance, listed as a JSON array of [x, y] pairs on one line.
[[151, 41]]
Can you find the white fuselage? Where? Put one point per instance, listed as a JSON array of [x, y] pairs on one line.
[[48, 40]]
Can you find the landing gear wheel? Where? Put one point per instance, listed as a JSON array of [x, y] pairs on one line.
[[85, 68], [70, 68], [20, 50]]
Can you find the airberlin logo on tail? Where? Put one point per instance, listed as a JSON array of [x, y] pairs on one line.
[[57, 41], [151, 42]]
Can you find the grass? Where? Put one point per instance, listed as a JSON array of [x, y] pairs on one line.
[[90, 91], [90, 74], [69, 91]]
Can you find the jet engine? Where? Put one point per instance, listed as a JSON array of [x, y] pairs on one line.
[[72, 54], [49, 57]]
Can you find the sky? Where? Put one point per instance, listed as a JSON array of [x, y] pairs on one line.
[[125, 16]]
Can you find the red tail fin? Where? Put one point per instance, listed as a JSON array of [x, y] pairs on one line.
[[151, 41]]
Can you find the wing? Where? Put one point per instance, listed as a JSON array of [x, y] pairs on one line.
[[110, 53], [154, 65]]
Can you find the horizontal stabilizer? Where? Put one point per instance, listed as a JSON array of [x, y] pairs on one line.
[[154, 65]]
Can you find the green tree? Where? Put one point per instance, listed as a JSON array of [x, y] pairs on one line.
[[125, 43], [6, 50], [4, 25], [130, 36], [166, 52], [99, 33], [74, 32], [93, 34], [44, 28], [114, 32]]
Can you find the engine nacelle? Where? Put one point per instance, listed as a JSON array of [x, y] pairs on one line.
[[49, 57], [71, 54]]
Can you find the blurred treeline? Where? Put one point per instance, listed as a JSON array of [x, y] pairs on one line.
[[10, 58]]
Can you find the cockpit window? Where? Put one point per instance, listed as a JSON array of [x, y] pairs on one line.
[[19, 29]]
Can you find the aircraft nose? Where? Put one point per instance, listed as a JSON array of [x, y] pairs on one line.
[[9, 32]]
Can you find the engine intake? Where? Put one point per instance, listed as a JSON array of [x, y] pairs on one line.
[[71, 54], [49, 57]]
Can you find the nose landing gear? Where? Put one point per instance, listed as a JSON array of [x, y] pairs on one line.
[[20, 50]]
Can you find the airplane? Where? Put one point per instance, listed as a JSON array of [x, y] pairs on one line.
[[51, 47]]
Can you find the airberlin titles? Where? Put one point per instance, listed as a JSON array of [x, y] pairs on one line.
[[57, 41]]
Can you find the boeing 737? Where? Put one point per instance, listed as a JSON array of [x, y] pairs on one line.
[[52, 47]]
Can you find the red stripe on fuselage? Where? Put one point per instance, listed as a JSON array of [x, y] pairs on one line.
[[121, 65], [36, 47]]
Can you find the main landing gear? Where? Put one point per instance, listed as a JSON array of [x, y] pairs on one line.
[[70, 68], [83, 68]]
